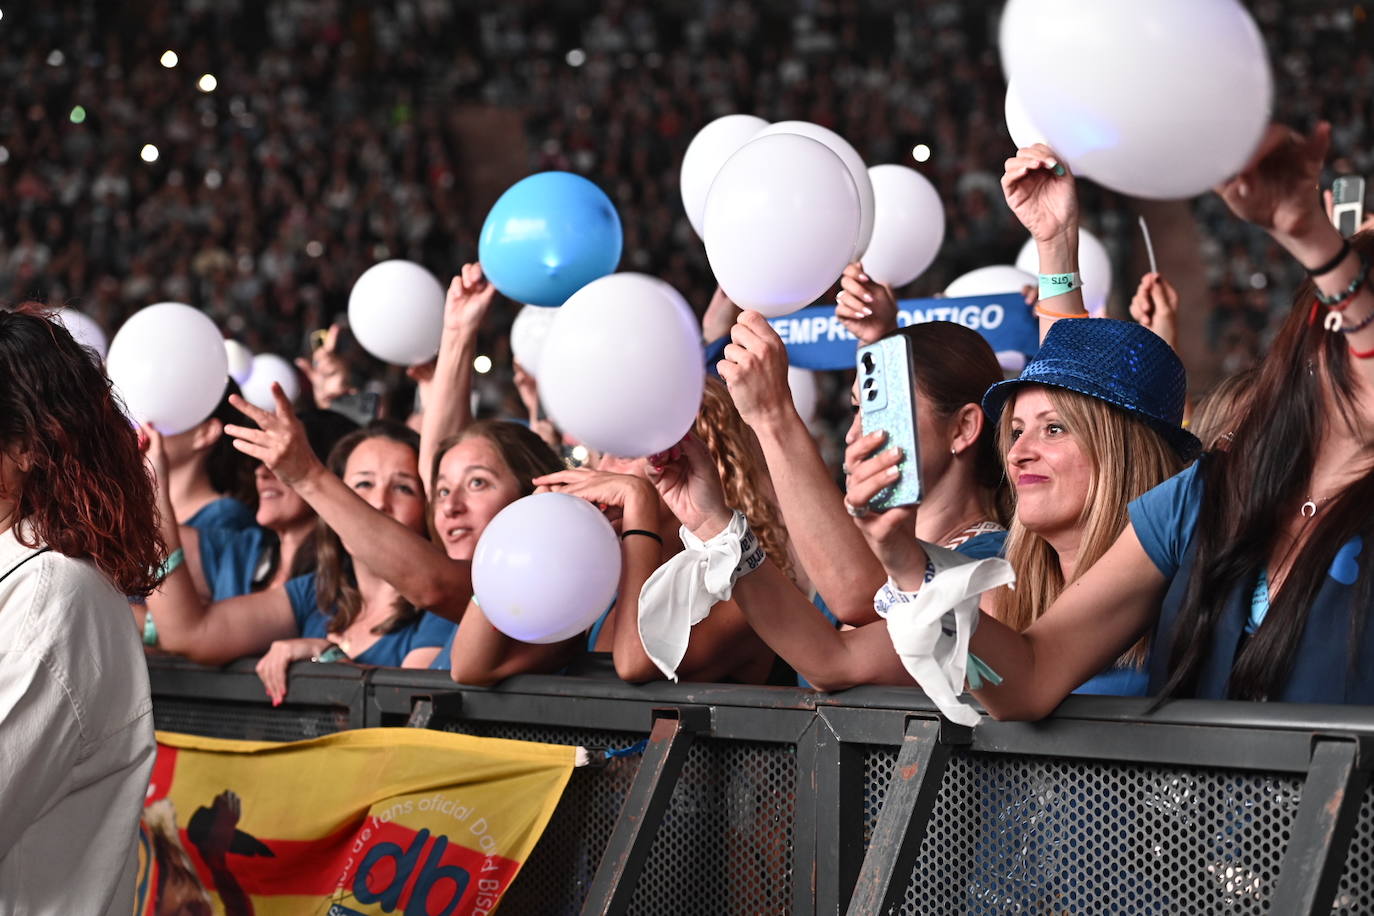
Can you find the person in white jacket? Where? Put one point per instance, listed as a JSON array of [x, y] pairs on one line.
[[78, 533]]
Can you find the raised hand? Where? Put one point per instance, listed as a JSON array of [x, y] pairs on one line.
[[1277, 190], [1155, 306], [1040, 191], [754, 369], [617, 495], [326, 370], [866, 308], [279, 441], [686, 478], [469, 298], [154, 454], [891, 534]]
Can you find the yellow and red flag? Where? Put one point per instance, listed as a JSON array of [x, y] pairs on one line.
[[373, 821]]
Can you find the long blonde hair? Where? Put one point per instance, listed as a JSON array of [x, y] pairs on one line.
[[1128, 457], [739, 461]]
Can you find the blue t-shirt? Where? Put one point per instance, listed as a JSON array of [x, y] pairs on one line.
[[388, 651], [224, 512], [1165, 520], [230, 558]]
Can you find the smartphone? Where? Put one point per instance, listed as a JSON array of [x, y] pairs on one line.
[[1347, 204], [362, 408], [887, 401]]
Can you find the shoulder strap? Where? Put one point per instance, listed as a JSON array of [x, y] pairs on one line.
[[23, 561]]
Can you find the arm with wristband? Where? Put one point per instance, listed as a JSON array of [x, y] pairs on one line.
[[1040, 190]]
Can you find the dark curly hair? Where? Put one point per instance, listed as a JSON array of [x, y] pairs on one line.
[[87, 493]]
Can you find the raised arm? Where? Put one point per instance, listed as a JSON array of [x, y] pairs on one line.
[[1040, 191], [448, 410], [413, 565], [1276, 193], [831, 551], [211, 634]]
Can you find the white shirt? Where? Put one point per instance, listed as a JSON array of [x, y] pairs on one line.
[[76, 738]]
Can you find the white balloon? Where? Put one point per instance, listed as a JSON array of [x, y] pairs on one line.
[[713, 144], [1011, 360], [852, 161], [268, 368], [527, 335], [1163, 99], [908, 225], [1023, 131], [396, 310], [622, 369], [240, 361], [802, 383], [991, 281], [546, 567], [781, 222], [169, 366], [1094, 266], [83, 329]]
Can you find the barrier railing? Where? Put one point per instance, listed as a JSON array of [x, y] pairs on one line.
[[775, 800]]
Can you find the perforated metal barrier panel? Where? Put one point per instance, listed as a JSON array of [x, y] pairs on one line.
[[1009, 833]]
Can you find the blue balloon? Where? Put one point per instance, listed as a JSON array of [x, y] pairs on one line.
[[548, 236]]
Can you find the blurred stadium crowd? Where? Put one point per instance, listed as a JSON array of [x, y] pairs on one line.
[[334, 133]]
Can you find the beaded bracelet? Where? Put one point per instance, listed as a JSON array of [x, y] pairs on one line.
[[1342, 299]]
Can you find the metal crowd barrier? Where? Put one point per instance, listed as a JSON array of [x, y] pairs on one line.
[[751, 800]]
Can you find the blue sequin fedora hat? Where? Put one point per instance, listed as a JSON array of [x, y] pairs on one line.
[[1119, 362]]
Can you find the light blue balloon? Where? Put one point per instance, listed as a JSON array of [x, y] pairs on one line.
[[548, 236]]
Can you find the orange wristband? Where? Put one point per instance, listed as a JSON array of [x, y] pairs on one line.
[[1044, 313]]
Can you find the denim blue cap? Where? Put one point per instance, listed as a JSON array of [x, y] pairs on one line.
[[1119, 362]]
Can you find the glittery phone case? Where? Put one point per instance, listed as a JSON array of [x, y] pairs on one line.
[[887, 401]]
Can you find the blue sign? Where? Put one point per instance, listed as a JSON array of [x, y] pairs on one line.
[[816, 339]]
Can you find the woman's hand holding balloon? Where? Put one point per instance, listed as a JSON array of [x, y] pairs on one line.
[[890, 534], [279, 442], [687, 480], [754, 368], [1040, 191], [867, 308], [154, 455], [617, 495], [469, 298]]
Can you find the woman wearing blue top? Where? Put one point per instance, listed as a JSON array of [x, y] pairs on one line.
[[372, 512], [1251, 568]]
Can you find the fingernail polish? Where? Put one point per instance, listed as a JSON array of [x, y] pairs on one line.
[[867, 312], [1059, 170], [863, 277], [868, 297], [894, 472]]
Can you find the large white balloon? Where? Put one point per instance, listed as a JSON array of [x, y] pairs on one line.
[[713, 144], [240, 361], [168, 364], [396, 310], [528, 333], [908, 225], [1023, 131], [781, 222], [852, 161], [622, 369], [1094, 266], [83, 329], [1163, 99], [991, 281], [269, 368], [546, 567]]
